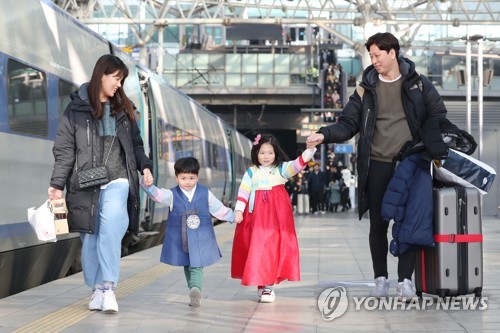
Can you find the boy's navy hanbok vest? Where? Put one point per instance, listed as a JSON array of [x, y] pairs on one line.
[[183, 245]]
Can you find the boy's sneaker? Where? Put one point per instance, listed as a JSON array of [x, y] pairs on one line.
[[96, 300], [109, 304], [267, 296], [195, 296], [381, 287], [404, 290]]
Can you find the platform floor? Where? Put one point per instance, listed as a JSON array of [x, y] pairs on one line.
[[334, 254]]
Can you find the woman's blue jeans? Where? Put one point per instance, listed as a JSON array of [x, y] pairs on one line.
[[101, 252]]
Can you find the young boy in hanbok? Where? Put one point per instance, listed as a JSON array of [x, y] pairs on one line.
[[189, 236]]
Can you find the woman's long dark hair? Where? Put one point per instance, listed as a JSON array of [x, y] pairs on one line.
[[105, 65]]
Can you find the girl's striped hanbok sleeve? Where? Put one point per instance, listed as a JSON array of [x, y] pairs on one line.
[[291, 168], [243, 192]]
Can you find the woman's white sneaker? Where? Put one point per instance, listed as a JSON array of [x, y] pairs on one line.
[[109, 304], [95, 303]]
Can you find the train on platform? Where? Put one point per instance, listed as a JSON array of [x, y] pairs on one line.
[[45, 54]]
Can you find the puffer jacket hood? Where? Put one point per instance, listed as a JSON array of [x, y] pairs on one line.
[[83, 92], [435, 138], [406, 68]]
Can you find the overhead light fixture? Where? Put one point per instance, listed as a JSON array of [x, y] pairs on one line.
[[358, 21], [475, 38]]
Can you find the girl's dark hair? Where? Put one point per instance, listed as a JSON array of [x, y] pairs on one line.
[[278, 152], [187, 165], [385, 41], [105, 65]]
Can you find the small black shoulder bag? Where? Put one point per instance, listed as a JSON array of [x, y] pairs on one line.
[[95, 176]]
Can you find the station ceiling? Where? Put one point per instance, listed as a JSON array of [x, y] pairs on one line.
[[414, 22]]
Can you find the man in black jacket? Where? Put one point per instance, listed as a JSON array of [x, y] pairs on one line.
[[388, 108]]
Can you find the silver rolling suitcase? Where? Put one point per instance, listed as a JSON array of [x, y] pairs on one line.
[[300, 203], [306, 204], [455, 266], [303, 203]]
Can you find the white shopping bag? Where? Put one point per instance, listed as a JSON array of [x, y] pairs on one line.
[[42, 222]]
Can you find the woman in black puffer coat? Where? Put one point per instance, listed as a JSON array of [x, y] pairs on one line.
[[98, 128]]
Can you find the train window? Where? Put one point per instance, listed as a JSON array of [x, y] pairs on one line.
[[208, 155], [167, 143], [188, 145], [239, 163], [27, 96], [221, 159], [197, 149], [161, 139], [214, 156], [177, 143], [64, 90]]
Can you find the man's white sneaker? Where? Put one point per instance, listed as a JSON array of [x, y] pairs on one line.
[[96, 300], [404, 290], [267, 296], [109, 304], [381, 287], [195, 296]]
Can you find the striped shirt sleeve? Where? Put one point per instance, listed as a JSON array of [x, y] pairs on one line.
[[160, 195], [291, 168], [218, 210], [243, 192]]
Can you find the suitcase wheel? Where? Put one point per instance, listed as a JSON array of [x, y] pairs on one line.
[[442, 293]]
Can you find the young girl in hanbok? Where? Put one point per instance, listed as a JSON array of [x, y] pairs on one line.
[[265, 247]]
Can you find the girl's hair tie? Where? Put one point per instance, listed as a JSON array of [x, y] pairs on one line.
[[257, 139]]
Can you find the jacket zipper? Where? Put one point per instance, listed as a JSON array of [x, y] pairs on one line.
[[366, 119], [125, 123], [88, 132], [406, 109]]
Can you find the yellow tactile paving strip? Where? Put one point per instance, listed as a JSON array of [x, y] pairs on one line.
[[59, 320]]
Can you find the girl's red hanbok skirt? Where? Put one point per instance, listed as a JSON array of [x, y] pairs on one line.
[[265, 248]]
